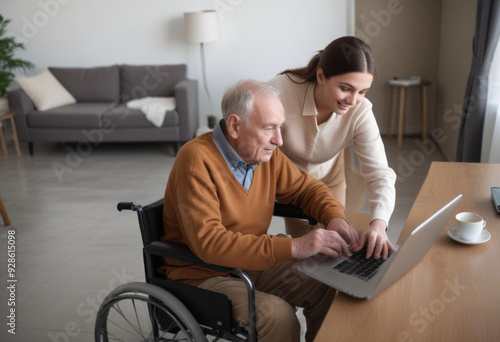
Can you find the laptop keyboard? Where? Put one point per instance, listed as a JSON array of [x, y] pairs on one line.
[[358, 266]]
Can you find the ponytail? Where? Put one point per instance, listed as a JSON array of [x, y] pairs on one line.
[[343, 55], [308, 73]]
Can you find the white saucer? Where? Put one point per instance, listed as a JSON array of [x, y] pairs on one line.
[[485, 236]]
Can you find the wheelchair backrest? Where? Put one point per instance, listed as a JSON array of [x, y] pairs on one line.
[[151, 221]]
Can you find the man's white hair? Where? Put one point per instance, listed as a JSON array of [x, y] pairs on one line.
[[239, 98]]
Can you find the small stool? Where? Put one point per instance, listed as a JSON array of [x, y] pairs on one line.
[[14, 133], [402, 98]]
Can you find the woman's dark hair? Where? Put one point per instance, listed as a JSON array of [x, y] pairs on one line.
[[343, 55]]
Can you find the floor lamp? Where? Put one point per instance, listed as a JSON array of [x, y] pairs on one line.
[[202, 27]]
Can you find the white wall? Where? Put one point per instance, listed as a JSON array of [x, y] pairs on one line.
[[259, 38]]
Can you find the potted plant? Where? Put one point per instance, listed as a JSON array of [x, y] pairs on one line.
[[8, 64]]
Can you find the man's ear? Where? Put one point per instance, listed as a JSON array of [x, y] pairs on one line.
[[320, 76], [233, 125]]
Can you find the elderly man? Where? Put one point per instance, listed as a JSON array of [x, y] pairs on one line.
[[219, 202]]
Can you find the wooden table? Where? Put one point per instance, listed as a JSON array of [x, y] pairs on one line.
[[402, 99], [454, 293], [14, 134]]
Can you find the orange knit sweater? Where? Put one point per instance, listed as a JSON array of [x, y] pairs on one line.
[[207, 209]]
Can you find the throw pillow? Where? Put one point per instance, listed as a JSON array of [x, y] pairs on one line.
[[45, 90]]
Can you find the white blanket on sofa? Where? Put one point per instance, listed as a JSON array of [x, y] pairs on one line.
[[154, 108]]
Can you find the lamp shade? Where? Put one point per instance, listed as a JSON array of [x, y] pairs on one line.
[[201, 27]]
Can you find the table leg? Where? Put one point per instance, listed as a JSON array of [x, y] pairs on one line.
[[402, 95], [14, 134], [424, 112], [393, 111], [3, 213], [2, 142]]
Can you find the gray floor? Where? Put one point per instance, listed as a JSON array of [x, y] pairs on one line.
[[73, 246]]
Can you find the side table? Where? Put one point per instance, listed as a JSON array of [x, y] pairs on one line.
[[402, 98], [14, 134]]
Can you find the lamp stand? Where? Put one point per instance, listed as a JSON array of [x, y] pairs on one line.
[[204, 74]]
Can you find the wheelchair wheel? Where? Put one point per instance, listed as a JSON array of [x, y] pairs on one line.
[[145, 312]]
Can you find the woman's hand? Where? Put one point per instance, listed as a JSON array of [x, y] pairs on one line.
[[376, 240]]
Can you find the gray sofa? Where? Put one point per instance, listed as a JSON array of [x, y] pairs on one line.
[[100, 114]]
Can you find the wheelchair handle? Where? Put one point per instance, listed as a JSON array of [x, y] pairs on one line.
[[126, 206]]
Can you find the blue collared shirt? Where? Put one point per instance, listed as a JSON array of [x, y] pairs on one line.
[[242, 171]]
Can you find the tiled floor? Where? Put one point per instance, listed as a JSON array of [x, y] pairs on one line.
[[73, 246]]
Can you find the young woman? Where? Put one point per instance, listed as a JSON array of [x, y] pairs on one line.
[[326, 110]]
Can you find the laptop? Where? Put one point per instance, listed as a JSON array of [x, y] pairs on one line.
[[365, 278]]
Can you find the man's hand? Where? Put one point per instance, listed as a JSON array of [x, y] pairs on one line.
[[345, 230], [375, 237], [317, 241]]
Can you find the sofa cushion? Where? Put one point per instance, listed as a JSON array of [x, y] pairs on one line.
[[138, 81], [101, 84], [45, 90], [123, 117], [81, 115]]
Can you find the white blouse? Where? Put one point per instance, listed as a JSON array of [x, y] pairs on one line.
[[315, 148]]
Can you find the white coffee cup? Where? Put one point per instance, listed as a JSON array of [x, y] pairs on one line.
[[469, 225]]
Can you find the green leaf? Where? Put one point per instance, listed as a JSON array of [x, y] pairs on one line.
[[8, 62]]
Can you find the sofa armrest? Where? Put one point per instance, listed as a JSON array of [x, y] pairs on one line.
[[186, 97], [20, 104]]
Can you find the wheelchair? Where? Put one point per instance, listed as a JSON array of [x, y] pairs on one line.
[[166, 310]]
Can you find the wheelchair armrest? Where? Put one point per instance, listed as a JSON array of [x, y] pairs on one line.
[[182, 252], [286, 210]]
